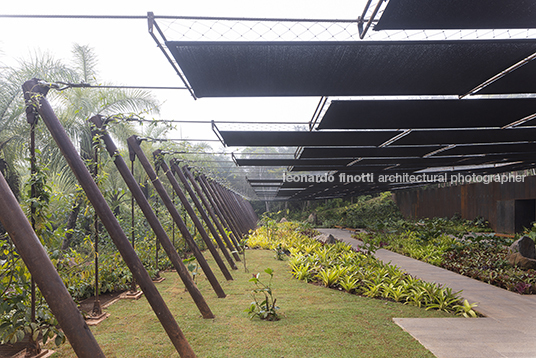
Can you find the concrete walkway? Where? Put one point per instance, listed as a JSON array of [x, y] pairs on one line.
[[508, 330]]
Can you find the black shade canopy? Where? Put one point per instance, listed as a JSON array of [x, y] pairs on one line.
[[265, 180], [447, 113], [390, 151], [290, 139], [247, 69], [376, 137], [289, 162], [468, 136], [492, 149], [327, 164], [458, 14]]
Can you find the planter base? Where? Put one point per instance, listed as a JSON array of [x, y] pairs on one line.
[[95, 320], [129, 295]]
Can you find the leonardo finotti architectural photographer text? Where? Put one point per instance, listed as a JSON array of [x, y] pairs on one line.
[[342, 178]]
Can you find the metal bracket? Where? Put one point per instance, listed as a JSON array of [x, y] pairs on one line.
[[217, 132], [151, 22]]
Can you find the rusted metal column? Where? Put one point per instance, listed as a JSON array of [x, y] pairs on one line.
[[247, 215], [254, 216], [156, 245], [219, 212], [35, 95], [235, 209], [246, 206], [193, 216], [245, 209], [221, 230], [133, 142], [224, 208], [45, 275], [97, 308], [204, 215], [153, 221], [35, 347], [132, 157], [229, 203], [235, 235], [242, 204], [227, 208]]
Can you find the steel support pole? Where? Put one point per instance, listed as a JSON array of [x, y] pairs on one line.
[[35, 347], [247, 217], [245, 209], [133, 142], [207, 205], [35, 95], [230, 199], [223, 213], [219, 212], [153, 221], [204, 215], [132, 157], [190, 210], [226, 209], [97, 308], [246, 206], [45, 275]]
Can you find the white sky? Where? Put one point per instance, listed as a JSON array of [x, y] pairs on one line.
[[128, 55]]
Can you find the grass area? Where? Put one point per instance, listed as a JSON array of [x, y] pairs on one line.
[[316, 321]]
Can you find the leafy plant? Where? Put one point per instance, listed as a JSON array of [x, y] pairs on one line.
[[466, 309], [192, 266], [348, 282], [15, 307], [265, 307], [330, 275], [280, 253], [339, 266]]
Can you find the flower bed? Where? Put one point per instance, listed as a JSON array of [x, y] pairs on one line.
[[340, 267]]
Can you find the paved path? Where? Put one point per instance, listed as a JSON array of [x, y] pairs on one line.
[[508, 330]]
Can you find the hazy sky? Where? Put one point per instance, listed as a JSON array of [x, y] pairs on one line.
[[128, 55]]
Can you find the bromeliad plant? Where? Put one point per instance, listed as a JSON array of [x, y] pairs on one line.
[[263, 307], [341, 267]]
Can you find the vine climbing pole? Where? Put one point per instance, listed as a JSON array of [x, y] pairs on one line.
[[35, 93], [219, 212], [132, 157], [153, 221], [209, 208], [156, 204], [45, 275], [97, 308], [35, 347], [41, 268], [161, 163], [224, 210], [201, 211], [135, 143]]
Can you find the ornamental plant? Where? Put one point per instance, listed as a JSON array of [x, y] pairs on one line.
[[263, 305], [339, 266]]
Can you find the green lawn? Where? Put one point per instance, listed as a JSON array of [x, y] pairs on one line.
[[316, 321]]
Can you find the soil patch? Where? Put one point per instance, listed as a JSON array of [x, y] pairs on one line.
[[106, 299]]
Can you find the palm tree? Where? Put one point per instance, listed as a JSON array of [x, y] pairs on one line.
[[78, 105], [73, 107]]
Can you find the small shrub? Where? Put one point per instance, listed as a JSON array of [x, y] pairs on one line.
[[265, 308]]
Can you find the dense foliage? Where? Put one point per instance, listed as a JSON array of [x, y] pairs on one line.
[[338, 266], [464, 247], [61, 213], [360, 212]]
